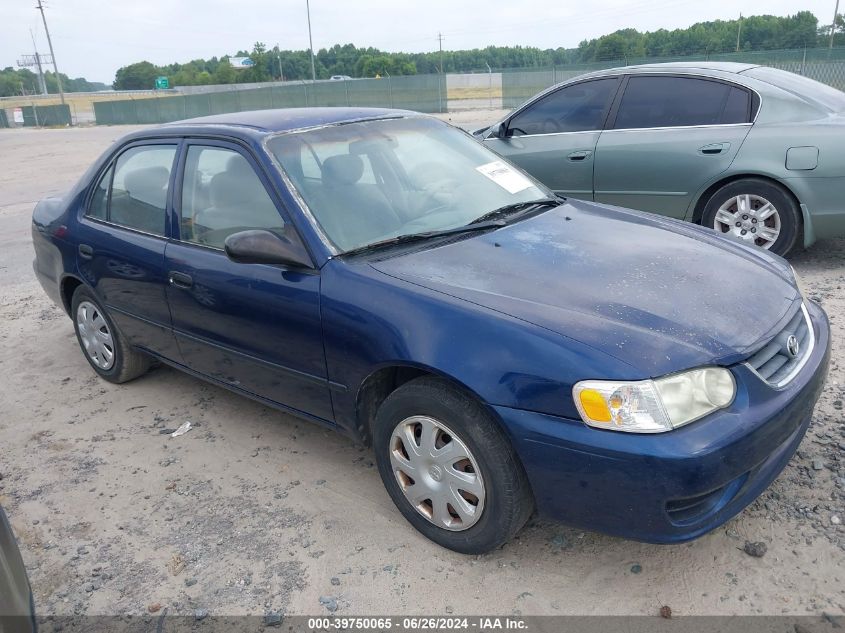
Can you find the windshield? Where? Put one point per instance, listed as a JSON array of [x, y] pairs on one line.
[[369, 181], [830, 98]]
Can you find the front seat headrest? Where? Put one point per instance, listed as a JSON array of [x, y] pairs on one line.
[[344, 169]]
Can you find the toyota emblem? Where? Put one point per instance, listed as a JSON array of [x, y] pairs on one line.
[[792, 346]]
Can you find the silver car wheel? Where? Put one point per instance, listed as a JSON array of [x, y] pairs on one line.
[[437, 473], [95, 335], [751, 218]]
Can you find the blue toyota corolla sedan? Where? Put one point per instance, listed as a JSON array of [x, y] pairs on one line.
[[500, 348]]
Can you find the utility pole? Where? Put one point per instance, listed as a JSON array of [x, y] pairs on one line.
[[833, 26], [440, 39], [40, 7], [279, 58], [489, 83], [739, 32], [310, 41], [41, 81]]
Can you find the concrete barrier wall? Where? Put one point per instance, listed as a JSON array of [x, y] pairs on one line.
[[474, 80]]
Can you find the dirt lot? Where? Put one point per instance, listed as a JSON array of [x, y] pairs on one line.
[[253, 511]]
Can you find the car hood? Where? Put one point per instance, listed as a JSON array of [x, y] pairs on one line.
[[658, 294]]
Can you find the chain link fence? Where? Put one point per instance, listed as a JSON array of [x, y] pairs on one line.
[[423, 93], [822, 64], [507, 88]]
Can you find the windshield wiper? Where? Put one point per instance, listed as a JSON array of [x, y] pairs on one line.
[[416, 237], [517, 207]]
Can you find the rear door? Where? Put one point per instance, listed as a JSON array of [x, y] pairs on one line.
[[667, 136], [121, 241], [251, 326], [554, 138]]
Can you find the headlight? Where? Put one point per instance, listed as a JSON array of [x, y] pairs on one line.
[[799, 282], [654, 406]]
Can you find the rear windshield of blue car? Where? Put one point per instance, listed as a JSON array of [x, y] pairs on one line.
[[371, 181], [807, 89]]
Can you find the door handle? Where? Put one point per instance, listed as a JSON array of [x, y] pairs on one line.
[[85, 251], [714, 148], [180, 280], [580, 155]]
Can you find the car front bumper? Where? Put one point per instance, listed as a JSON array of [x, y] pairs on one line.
[[674, 486]]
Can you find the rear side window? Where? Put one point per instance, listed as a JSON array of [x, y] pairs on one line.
[[802, 87], [680, 102], [133, 191], [99, 207], [576, 108]]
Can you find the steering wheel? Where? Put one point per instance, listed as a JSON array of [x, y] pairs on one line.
[[421, 223], [436, 183]]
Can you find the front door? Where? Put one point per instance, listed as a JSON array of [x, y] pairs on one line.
[[554, 138], [670, 136], [122, 237], [251, 326]]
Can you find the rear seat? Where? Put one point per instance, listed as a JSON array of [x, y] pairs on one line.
[[142, 202]]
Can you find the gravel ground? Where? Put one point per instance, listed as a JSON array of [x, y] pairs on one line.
[[253, 511]]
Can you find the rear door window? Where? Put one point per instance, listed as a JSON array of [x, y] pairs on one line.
[[651, 102], [137, 198]]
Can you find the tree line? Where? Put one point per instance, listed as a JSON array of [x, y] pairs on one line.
[[761, 32], [22, 81], [753, 33]]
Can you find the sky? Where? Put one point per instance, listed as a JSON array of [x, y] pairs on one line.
[[93, 38]]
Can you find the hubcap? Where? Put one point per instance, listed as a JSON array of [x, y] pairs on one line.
[[437, 473], [95, 335], [751, 218]]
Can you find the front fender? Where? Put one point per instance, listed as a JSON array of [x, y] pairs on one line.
[[371, 320]]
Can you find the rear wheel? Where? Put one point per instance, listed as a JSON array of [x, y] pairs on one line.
[[756, 211], [449, 468], [102, 344]]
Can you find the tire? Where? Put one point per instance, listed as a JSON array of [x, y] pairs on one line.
[[504, 502], [110, 356], [724, 213]]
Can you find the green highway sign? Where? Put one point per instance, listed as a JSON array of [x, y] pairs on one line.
[[162, 83]]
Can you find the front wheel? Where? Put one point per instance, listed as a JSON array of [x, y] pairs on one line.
[[104, 347], [449, 468], [757, 212]]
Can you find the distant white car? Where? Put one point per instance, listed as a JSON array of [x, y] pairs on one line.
[[340, 77]]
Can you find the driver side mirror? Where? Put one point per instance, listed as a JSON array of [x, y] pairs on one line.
[[265, 247], [500, 131]]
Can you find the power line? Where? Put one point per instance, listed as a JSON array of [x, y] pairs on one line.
[[40, 7]]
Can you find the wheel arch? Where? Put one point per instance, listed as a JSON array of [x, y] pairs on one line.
[[67, 287], [704, 196], [386, 379]]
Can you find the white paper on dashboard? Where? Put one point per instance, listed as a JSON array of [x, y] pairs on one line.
[[505, 176]]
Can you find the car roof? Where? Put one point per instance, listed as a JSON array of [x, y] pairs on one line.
[[284, 120], [679, 67]]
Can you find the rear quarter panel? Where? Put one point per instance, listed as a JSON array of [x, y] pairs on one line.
[[821, 189], [55, 250]]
